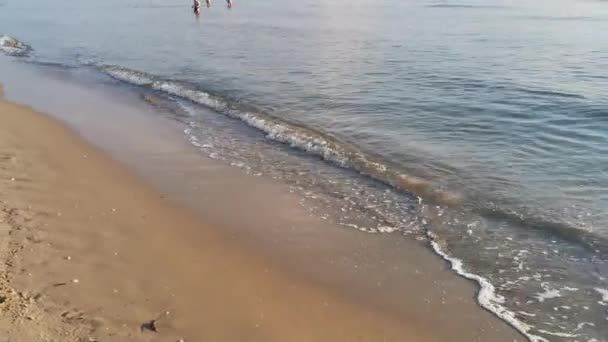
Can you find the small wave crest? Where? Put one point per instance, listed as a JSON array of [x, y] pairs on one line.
[[566, 231], [13, 47], [297, 136], [346, 155], [457, 6]]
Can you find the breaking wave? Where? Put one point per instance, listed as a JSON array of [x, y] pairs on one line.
[[297, 136], [13, 47], [348, 156]]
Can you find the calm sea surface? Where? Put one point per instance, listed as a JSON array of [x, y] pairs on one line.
[[480, 126]]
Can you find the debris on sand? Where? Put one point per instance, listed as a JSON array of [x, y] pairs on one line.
[[149, 326]]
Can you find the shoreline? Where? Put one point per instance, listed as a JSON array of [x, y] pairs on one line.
[[419, 161], [373, 311], [58, 273]]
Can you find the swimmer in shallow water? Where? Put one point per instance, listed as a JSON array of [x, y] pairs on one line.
[[229, 2], [196, 6]]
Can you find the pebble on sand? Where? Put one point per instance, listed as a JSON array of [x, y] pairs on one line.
[[75, 281]]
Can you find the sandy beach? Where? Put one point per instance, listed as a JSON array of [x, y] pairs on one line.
[[92, 252]]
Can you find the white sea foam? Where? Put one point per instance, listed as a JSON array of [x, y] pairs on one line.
[[603, 293], [274, 129], [558, 334], [13, 47], [549, 293], [129, 76], [302, 138], [386, 229], [571, 289], [359, 228], [487, 296], [582, 325], [197, 96]]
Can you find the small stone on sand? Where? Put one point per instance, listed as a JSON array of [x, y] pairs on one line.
[[75, 281], [150, 326], [68, 258]]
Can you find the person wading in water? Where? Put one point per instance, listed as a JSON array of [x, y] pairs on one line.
[[196, 6]]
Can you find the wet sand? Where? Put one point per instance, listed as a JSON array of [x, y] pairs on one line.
[[229, 257]]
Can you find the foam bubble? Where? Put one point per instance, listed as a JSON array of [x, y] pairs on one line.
[[570, 289], [385, 229], [582, 325], [558, 334], [548, 294], [603, 293]]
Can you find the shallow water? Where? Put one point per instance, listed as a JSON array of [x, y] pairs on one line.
[[481, 126]]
